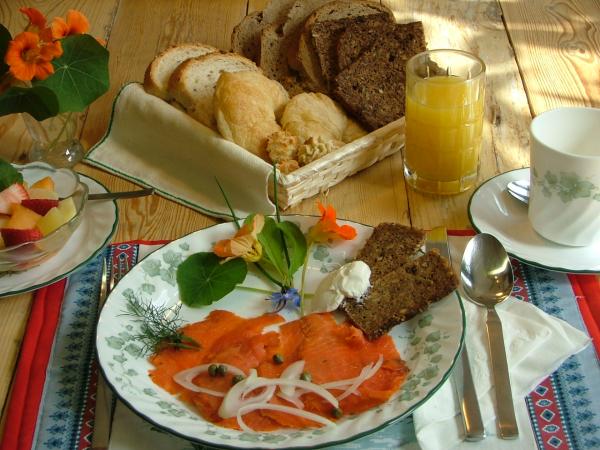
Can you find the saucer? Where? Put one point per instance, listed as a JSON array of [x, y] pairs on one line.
[[493, 210], [98, 224]]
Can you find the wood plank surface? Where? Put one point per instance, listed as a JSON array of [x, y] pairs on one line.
[[557, 45]]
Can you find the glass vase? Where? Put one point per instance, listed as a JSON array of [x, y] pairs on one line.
[[55, 140]]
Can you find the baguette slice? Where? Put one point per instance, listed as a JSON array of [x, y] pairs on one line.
[[156, 78], [193, 83]]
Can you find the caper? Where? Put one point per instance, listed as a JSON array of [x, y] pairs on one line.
[[212, 370], [305, 376], [278, 358], [337, 413], [221, 370], [237, 379]]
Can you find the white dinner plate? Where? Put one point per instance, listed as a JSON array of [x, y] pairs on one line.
[[429, 344], [493, 210], [98, 224]]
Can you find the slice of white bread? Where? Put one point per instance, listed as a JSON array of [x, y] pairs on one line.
[[156, 78], [193, 82], [247, 105]]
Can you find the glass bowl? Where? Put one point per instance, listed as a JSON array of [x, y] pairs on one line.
[[30, 254]]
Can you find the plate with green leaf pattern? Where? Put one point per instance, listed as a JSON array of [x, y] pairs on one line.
[[429, 344]]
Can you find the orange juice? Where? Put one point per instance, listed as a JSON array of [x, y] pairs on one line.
[[444, 121]]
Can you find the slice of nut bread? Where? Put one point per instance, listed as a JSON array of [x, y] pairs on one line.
[[245, 38], [156, 78], [372, 87], [193, 83]]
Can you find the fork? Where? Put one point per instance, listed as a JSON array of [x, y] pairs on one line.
[[104, 397]]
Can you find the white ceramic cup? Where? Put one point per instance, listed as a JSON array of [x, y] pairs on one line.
[[564, 204]]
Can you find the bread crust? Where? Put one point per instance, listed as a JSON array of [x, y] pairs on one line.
[[152, 79]]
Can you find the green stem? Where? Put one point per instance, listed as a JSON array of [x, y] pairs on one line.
[[235, 219], [66, 121], [304, 277], [268, 275]]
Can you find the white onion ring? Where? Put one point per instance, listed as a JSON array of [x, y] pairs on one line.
[[281, 408], [293, 399], [185, 377], [366, 373], [292, 372]]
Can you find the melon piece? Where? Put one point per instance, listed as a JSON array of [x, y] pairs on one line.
[[67, 208], [45, 183], [51, 221], [22, 218]]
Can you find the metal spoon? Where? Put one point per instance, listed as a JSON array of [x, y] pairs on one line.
[[519, 189], [124, 194], [487, 278]]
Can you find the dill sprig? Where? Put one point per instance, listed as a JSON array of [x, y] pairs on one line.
[[159, 326]]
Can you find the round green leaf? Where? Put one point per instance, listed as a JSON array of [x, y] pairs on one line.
[[80, 74], [202, 279], [39, 101]]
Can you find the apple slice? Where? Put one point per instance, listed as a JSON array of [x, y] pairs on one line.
[[39, 205], [67, 208], [45, 183], [15, 193], [51, 221], [14, 236], [22, 218]]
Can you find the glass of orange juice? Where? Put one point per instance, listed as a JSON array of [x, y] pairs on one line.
[[444, 120]]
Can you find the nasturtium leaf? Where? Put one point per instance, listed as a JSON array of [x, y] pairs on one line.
[[202, 279], [8, 175], [39, 101], [80, 74], [5, 38], [296, 244], [272, 244]]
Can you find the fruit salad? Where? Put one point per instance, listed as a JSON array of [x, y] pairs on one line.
[[30, 212]]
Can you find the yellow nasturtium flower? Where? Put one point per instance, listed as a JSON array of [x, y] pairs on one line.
[[245, 242]]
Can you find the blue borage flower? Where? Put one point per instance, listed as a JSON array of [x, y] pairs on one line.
[[280, 299]]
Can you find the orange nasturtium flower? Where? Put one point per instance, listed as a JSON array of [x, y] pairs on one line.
[[327, 228], [244, 244], [37, 21], [76, 23], [29, 58]]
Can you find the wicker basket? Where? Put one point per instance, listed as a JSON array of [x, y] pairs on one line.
[[329, 170]]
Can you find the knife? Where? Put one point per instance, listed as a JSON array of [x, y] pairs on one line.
[[462, 378]]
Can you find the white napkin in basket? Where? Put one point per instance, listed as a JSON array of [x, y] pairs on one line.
[[536, 344], [152, 143]]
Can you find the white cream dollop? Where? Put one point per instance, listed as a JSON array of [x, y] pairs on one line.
[[351, 280]]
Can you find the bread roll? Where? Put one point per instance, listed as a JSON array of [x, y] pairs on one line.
[[314, 115], [247, 105]]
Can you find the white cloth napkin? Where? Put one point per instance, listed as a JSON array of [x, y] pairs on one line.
[[152, 143], [536, 345]]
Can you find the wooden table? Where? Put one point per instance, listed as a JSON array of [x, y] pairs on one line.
[[540, 54]]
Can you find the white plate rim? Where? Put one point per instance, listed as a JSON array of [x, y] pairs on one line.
[[354, 437], [532, 262], [86, 179]]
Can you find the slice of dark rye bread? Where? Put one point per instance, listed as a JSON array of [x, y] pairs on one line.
[[358, 37], [401, 287], [326, 34], [372, 87]]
